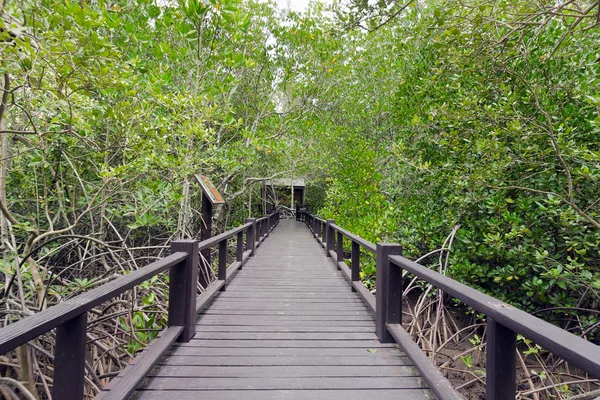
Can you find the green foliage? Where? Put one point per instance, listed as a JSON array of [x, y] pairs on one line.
[[446, 113], [112, 107], [145, 324], [352, 191], [447, 116]]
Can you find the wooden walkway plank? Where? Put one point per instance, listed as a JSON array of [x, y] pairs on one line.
[[292, 299], [313, 312], [282, 383], [287, 327], [313, 328], [283, 351], [269, 371], [336, 394], [292, 319], [245, 361], [367, 344]]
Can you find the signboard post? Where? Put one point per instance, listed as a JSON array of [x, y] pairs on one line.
[[210, 196]]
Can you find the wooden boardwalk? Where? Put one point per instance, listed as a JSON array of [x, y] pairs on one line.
[[287, 327]]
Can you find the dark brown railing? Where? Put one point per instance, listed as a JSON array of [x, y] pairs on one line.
[[504, 321], [70, 317], [324, 232]]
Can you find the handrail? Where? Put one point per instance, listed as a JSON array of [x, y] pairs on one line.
[[573, 349], [70, 317], [225, 235], [365, 244], [504, 321], [325, 233], [21, 332]]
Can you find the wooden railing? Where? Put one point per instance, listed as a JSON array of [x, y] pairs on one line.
[[324, 232], [69, 318], [504, 321]]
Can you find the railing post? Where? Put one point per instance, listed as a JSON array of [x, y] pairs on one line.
[[182, 289], [256, 231], [340, 248], [69, 359], [382, 284], [239, 251], [250, 240], [394, 295], [329, 236], [355, 265], [314, 227], [222, 269], [501, 363]]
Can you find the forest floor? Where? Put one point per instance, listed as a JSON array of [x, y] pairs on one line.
[[463, 362]]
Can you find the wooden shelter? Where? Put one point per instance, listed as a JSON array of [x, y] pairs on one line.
[[283, 191]]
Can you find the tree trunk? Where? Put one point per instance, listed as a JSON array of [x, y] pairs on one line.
[[184, 211], [4, 165], [250, 203]]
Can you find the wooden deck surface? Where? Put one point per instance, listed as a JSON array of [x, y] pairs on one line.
[[287, 327]]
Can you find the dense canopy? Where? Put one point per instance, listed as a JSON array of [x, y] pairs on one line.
[[466, 125]]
